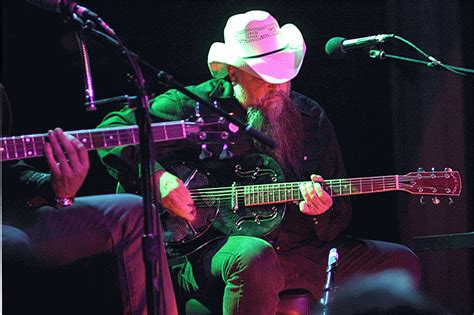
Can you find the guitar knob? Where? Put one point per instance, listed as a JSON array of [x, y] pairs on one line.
[[436, 200], [226, 153], [422, 201], [420, 169], [205, 153]]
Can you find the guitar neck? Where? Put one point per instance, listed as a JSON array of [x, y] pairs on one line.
[[288, 192], [29, 146]]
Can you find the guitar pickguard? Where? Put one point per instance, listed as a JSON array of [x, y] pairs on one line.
[[217, 189]]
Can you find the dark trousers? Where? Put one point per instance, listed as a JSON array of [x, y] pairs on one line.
[[243, 275], [93, 225]]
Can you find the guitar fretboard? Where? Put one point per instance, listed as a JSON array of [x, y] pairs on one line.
[[29, 146], [286, 192]]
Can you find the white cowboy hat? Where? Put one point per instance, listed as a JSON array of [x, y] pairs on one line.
[[254, 42]]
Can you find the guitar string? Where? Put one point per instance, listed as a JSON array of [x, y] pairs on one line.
[[377, 182], [279, 189], [295, 185], [96, 137], [225, 191]]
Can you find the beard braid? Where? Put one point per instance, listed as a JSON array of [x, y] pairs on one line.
[[277, 116]]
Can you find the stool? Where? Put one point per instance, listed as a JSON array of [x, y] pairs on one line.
[[296, 302], [292, 302]]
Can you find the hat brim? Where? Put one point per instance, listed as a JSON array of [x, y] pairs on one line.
[[278, 67]]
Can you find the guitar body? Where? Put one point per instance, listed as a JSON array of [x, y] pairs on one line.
[[214, 186]]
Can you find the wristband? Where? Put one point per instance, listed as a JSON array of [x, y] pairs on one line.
[[61, 202]]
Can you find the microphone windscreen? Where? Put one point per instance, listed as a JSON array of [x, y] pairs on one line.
[[333, 256], [333, 47]]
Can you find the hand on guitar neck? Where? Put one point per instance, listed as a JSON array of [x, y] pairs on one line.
[[175, 196], [69, 163], [316, 200]]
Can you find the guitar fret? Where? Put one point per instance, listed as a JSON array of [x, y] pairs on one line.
[[257, 196], [105, 139], [91, 141], [165, 132], [33, 144], [268, 194], [253, 194], [22, 140], [279, 192], [5, 154], [118, 137], [17, 154], [28, 145], [134, 141]]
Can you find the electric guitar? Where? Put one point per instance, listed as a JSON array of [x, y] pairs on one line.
[[30, 146], [248, 196]]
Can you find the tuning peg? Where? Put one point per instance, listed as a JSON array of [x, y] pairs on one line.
[[422, 200], [420, 169], [433, 169], [197, 110], [199, 121], [205, 153], [226, 153], [450, 201], [448, 169], [435, 200]]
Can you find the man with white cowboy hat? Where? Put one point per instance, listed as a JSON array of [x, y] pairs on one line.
[[252, 72]]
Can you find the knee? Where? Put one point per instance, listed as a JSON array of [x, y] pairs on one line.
[[404, 258], [127, 206], [257, 260], [16, 246], [123, 214], [255, 252]]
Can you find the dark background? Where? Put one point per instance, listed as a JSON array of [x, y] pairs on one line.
[[390, 116]]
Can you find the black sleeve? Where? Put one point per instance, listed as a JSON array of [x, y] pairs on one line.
[[23, 184]]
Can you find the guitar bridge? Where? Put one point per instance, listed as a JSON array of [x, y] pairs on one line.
[[234, 198]]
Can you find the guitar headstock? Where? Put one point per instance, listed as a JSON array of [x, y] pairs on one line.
[[435, 183], [213, 134]]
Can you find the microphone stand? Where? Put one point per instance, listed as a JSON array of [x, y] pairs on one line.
[[86, 67], [432, 63], [328, 286], [152, 238]]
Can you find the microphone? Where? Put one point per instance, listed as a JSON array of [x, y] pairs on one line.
[[333, 258], [71, 7], [338, 46], [330, 271]]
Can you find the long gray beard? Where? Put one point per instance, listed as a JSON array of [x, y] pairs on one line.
[[277, 116]]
